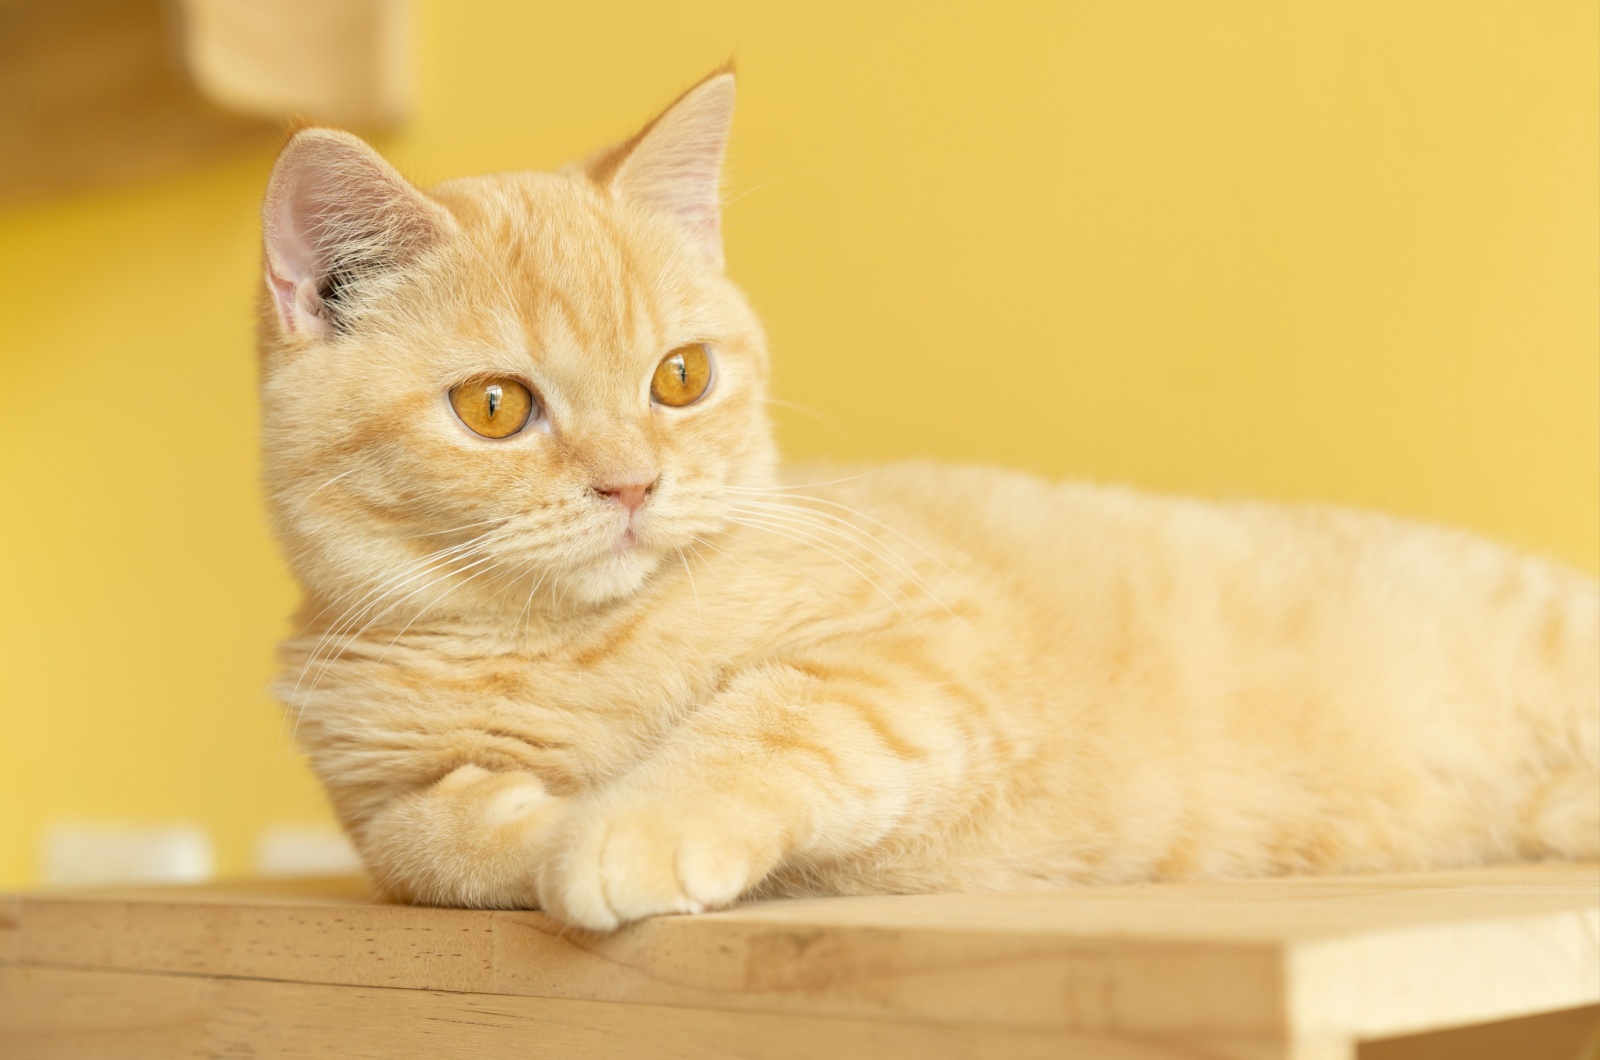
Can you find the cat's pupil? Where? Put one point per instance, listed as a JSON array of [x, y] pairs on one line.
[[494, 393], [682, 367]]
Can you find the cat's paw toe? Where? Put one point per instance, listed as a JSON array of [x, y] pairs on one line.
[[637, 862], [713, 873], [567, 879]]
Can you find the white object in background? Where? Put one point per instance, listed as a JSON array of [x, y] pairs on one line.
[[305, 850], [83, 855]]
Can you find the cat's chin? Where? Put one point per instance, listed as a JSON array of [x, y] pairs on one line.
[[617, 575]]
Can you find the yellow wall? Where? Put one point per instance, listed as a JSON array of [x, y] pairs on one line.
[[1347, 251]]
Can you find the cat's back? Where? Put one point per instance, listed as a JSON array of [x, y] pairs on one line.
[[1331, 655], [1246, 588], [1087, 531]]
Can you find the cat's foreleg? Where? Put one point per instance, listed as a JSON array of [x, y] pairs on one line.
[[466, 840], [786, 766]]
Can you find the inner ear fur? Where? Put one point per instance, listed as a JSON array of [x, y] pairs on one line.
[[674, 164], [335, 214]]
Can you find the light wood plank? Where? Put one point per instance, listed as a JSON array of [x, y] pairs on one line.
[[90, 1015], [1309, 964], [52, 1014], [10, 937], [1275, 909], [367, 945], [1571, 1034], [1444, 975], [999, 980]]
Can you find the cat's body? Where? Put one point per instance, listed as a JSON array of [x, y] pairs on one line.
[[899, 679]]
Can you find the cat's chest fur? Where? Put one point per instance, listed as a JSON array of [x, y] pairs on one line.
[[579, 698]]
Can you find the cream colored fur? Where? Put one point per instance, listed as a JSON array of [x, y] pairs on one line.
[[821, 681]]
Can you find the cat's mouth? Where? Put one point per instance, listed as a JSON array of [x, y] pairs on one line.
[[632, 536]]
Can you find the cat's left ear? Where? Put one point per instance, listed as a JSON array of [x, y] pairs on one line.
[[674, 164]]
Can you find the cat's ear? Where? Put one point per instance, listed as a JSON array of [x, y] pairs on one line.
[[335, 214], [674, 164]]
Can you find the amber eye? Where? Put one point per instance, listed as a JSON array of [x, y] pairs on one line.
[[495, 406], [682, 376]]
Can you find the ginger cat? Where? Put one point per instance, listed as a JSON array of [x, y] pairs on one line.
[[571, 639]]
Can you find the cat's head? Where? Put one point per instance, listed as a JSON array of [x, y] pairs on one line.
[[506, 381]]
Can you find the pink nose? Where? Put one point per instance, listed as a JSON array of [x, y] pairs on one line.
[[630, 495]]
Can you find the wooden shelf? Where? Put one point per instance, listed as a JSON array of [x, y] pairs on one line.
[[1249, 970], [99, 91]]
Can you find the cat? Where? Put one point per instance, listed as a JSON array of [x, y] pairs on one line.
[[572, 640]]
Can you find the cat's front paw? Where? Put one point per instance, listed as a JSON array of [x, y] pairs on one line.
[[465, 841], [622, 859]]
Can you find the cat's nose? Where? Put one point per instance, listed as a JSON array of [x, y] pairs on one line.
[[631, 495]]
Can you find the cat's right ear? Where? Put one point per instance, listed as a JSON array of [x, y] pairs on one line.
[[335, 214]]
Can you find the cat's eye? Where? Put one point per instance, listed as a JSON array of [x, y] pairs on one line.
[[682, 376], [495, 406]]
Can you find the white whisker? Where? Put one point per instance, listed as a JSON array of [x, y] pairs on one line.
[[690, 575], [428, 607], [838, 527], [832, 423], [800, 537]]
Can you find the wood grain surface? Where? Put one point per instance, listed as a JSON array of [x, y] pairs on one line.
[[1306, 968]]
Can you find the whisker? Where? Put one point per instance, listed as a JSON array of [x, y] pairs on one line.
[[723, 552], [796, 516], [832, 423], [370, 599], [428, 607], [913, 542], [861, 539], [825, 482], [425, 559], [690, 574], [748, 216], [756, 188], [325, 485], [354, 637], [466, 526], [528, 604], [377, 591], [799, 537], [334, 641]]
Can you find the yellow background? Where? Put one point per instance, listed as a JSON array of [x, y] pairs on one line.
[[1345, 251]]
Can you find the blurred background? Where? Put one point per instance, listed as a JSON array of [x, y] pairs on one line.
[[1342, 251]]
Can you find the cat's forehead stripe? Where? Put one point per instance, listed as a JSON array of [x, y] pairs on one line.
[[566, 265]]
